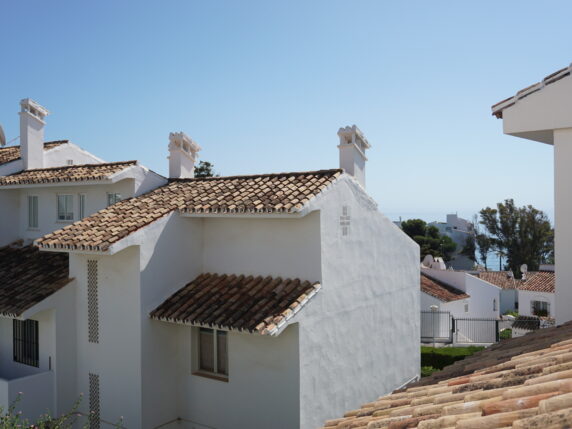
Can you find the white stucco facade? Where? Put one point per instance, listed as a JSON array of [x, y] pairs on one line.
[[526, 299], [360, 329]]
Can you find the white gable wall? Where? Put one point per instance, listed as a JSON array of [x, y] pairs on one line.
[[10, 220], [525, 298], [359, 336]]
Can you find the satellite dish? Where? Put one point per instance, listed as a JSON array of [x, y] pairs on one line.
[[524, 268], [2, 137]]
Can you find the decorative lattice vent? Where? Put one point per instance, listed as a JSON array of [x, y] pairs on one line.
[[94, 404], [92, 303], [345, 221]]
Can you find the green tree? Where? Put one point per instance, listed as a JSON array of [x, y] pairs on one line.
[[523, 234], [430, 241], [484, 246], [470, 248], [205, 169]]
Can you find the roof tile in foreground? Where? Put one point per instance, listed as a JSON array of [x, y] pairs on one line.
[[73, 173], [269, 193], [245, 303], [525, 382], [28, 277], [12, 153], [440, 290]]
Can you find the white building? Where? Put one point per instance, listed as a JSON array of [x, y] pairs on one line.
[[541, 112], [248, 301], [459, 230]]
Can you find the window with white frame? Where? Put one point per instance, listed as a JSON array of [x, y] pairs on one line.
[[466, 307], [81, 208], [212, 356], [32, 211], [112, 198], [65, 207]]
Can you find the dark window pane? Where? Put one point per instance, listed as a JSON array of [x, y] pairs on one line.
[[25, 342], [206, 350], [222, 355]]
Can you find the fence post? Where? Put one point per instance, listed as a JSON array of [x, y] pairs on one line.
[[497, 336]]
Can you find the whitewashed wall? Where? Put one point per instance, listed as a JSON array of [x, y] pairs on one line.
[[509, 300], [9, 216], [526, 297], [96, 199], [117, 356], [482, 295], [359, 337]]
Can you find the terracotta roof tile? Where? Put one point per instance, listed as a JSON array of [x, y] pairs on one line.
[[73, 173], [524, 382], [246, 303], [269, 193], [28, 277], [440, 290], [541, 281], [12, 153], [502, 279]]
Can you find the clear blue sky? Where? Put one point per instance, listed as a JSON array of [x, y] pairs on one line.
[[263, 86]]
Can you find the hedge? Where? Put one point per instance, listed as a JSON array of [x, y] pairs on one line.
[[445, 356]]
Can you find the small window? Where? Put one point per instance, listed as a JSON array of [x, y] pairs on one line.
[[32, 211], [25, 342], [494, 305], [466, 307], [70, 161], [113, 198], [81, 208], [540, 308], [213, 352], [65, 207]]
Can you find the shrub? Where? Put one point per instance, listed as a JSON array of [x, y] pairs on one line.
[[505, 334], [445, 356], [426, 371]]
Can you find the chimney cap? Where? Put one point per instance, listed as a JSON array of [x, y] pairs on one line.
[[182, 141], [34, 108], [349, 132]]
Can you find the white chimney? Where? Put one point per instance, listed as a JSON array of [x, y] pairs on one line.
[[32, 125], [353, 145], [183, 152]]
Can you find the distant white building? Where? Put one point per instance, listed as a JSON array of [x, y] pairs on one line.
[[169, 300], [459, 230]]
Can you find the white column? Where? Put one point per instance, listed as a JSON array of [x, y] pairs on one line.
[[563, 223]]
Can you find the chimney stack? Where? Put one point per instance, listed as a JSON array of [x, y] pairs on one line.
[[353, 145], [183, 152], [32, 125]]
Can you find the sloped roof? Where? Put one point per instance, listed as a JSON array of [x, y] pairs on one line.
[[539, 281], [268, 193], [246, 303], [502, 279], [66, 174], [548, 80], [28, 277], [12, 153], [440, 290], [525, 382]]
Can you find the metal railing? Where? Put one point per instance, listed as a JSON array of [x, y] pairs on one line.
[[442, 327]]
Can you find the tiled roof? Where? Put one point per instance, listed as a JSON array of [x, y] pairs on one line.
[[524, 382], [269, 193], [12, 153], [502, 279], [548, 80], [28, 277], [440, 290], [73, 173], [246, 303], [540, 281]]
